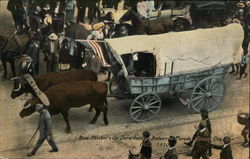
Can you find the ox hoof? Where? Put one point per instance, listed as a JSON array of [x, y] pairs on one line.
[[92, 122], [68, 131], [106, 123]]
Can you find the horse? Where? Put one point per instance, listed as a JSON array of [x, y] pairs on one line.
[[146, 26], [12, 47]]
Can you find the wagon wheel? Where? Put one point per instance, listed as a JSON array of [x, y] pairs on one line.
[[207, 94], [113, 84], [145, 107]]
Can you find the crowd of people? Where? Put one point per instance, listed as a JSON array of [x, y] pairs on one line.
[[202, 140]]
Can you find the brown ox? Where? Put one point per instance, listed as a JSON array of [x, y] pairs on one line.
[[44, 81], [73, 94]]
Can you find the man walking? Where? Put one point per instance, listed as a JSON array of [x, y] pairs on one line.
[[45, 129], [226, 151], [201, 144], [204, 116], [171, 153]]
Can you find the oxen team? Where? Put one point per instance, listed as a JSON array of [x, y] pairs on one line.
[[64, 90]]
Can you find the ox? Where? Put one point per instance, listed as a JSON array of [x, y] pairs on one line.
[[73, 94], [44, 81]]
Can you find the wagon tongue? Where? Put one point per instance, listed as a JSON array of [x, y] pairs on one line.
[[37, 91]]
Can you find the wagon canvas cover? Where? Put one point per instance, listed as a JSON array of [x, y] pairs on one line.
[[189, 51]]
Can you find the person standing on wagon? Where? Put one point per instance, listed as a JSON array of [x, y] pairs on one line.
[[45, 129]]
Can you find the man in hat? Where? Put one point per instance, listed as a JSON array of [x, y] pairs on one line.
[[146, 149], [226, 151], [13, 6], [171, 153], [52, 53], [22, 17], [81, 7], [97, 33], [69, 8], [45, 129], [204, 116], [202, 142], [33, 52]]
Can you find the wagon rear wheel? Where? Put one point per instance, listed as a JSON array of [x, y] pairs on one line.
[[145, 107], [207, 94]]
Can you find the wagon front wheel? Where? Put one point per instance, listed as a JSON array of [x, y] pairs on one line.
[[207, 94], [145, 107]]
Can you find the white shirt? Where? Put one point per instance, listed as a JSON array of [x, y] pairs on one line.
[[142, 9], [225, 145]]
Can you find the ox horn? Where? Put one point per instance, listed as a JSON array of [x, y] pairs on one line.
[[37, 91], [15, 78]]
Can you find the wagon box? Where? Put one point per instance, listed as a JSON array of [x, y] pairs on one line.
[[191, 63]]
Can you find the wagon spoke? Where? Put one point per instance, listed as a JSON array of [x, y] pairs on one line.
[[211, 106], [198, 102], [210, 81], [205, 104], [202, 89], [156, 107], [152, 112], [213, 84], [139, 103], [217, 95], [136, 111], [136, 107], [215, 101], [153, 103], [197, 98], [214, 92], [154, 98], [143, 101], [138, 115], [198, 93]]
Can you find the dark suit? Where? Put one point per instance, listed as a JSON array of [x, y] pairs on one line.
[[13, 6], [171, 154], [146, 149], [226, 152], [201, 145], [81, 7]]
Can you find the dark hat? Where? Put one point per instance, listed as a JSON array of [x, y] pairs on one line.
[[146, 134], [226, 140], [204, 113], [172, 141]]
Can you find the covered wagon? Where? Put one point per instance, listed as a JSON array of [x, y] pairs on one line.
[[192, 61]]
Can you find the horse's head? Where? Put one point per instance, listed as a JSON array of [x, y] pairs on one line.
[[20, 86]]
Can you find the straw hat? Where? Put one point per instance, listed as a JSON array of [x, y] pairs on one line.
[[97, 26], [53, 36], [248, 3], [47, 20], [240, 5]]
